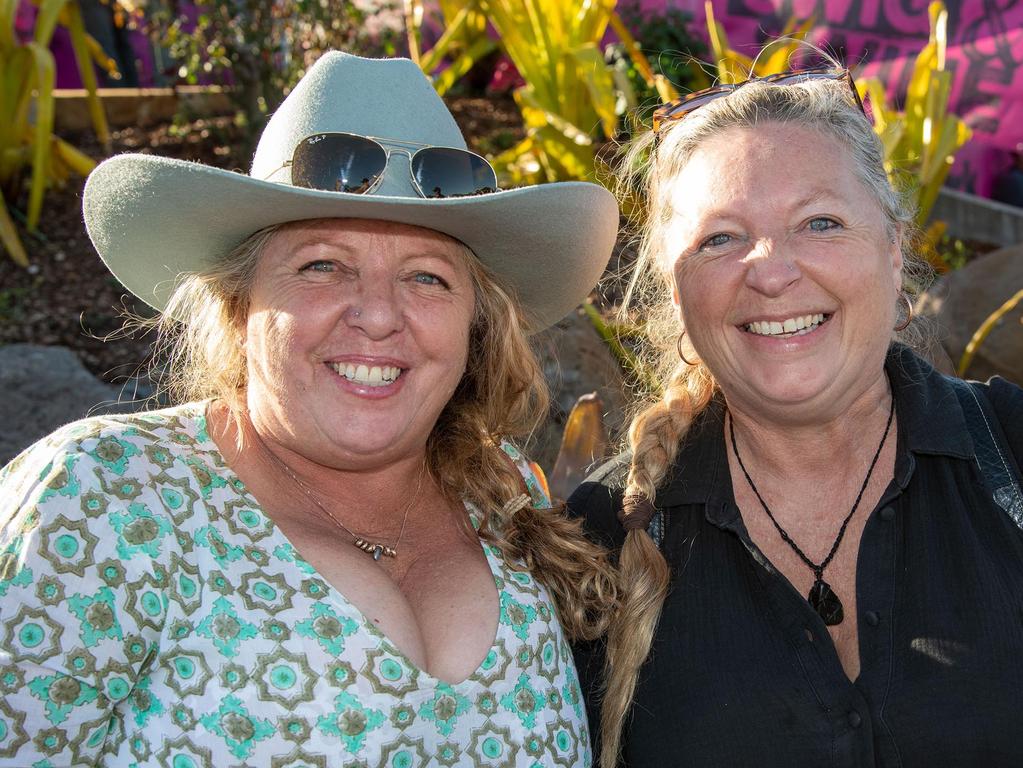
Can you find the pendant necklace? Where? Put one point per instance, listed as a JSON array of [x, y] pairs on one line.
[[822, 597], [376, 549]]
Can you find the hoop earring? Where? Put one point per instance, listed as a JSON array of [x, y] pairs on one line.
[[909, 312], [678, 346]]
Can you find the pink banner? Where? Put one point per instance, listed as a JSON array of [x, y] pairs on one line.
[[882, 39]]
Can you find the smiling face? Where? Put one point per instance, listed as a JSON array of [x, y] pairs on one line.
[[785, 270], [356, 337]]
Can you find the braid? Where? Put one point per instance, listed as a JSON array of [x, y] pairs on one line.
[[655, 437]]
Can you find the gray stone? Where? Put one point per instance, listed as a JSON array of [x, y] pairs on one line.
[[962, 300], [43, 388]]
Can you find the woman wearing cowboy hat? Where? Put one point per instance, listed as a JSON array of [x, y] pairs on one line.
[[287, 568]]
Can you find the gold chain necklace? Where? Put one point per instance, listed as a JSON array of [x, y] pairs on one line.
[[376, 549]]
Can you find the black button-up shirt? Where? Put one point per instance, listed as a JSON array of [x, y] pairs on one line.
[[743, 671]]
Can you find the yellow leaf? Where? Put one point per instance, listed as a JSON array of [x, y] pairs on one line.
[[665, 89], [451, 37], [9, 237], [633, 49], [594, 72], [79, 43], [76, 160], [8, 14], [562, 158], [45, 72], [100, 57], [46, 20], [583, 444], [413, 22], [537, 116], [462, 64], [985, 328]]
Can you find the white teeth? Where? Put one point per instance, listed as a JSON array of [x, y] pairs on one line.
[[370, 376], [793, 326]]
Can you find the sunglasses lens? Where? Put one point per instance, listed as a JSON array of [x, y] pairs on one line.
[[337, 162], [448, 172]]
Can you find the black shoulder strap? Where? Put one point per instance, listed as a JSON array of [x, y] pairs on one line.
[[994, 465]]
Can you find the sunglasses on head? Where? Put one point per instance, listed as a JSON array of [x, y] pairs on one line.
[[348, 162], [679, 108]]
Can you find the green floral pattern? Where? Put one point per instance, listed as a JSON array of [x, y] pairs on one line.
[[152, 615]]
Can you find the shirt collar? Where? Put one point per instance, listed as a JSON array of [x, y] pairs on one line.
[[929, 417]]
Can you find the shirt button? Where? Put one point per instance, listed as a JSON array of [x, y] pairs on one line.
[[872, 618], [854, 719], [888, 514]]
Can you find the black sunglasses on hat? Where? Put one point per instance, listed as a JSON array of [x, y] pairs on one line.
[[348, 162]]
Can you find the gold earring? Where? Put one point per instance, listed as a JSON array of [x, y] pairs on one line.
[[909, 312], [678, 346]]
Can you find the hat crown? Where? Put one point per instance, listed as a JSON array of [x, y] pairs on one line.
[[342, 93]]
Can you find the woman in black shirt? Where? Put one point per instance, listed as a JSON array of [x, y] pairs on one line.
[[815, 569]]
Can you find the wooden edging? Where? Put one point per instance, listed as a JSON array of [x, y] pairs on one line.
[[139, 106], [976, 218]]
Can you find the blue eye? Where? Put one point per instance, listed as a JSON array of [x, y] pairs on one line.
[[428, 278], [822, 224], [716, 240], [317, 266]]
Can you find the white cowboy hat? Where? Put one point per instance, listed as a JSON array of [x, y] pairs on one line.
[[153, 219]]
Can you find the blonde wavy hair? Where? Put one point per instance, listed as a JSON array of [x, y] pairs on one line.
[[648, 170], [503, 394]]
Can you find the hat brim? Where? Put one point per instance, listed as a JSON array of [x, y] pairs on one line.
[[153, 219]]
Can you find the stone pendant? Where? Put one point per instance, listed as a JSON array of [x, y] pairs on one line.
[[375, 549], [823, 600]]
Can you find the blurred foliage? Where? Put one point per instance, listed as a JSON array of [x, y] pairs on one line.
[[264, 48], [570, 98], [954, 252], [463, 45], [673, 52], [776, 56], [569, 92], [921, 141], [26, 103]]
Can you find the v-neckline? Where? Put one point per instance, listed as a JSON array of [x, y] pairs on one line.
[[332, 593]]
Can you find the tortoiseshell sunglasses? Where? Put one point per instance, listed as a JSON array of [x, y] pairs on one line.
[[679, 108]]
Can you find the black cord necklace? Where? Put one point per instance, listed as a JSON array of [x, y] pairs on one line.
[[822, 597]]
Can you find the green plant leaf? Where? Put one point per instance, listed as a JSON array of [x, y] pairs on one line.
[[46, 20], [9, 237], [80, 45], [46, 69], [594, 73], [463, 64]]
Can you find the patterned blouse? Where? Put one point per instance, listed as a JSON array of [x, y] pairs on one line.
[[152, 615]]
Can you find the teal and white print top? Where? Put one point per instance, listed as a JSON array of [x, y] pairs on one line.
[[152, 615]]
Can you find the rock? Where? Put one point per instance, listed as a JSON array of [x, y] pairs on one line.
[[576, 362], [44, 388], [962, 300]]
